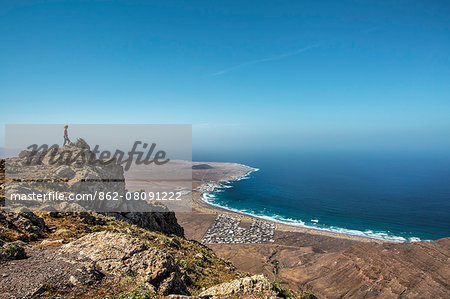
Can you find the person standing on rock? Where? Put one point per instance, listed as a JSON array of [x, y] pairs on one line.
[[66, 135]]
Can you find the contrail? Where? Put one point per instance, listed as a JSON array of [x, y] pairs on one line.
[[278, 57]]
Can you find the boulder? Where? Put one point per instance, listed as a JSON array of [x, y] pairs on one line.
[[81, 143], [118, 253], [26, 225], [256, 286], [65, 172]]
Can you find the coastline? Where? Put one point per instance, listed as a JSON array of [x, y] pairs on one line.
[[299, 225], [203, 206]]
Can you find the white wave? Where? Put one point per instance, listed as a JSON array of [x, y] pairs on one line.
[[414, 239], [208, 195], [385, 236], [252, 168]]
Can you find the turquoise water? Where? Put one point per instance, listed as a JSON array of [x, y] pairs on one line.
[[392, 197]]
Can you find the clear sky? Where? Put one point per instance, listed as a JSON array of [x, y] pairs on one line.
[[246, 74]]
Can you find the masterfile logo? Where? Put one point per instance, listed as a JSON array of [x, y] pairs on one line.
[[131, 168]]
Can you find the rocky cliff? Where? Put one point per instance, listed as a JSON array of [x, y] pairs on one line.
[[37, 172]]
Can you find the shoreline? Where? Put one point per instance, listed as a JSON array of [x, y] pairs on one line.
[[282, 225]]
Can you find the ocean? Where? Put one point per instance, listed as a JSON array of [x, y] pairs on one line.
[[391, 196]]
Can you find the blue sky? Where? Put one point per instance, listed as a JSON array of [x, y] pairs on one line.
[[246, 74]]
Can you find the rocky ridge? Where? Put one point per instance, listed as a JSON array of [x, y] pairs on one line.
[[35, 172], [256, 286]]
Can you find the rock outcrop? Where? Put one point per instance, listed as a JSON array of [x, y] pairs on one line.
[[256, 286], [72, 169], [37, 172], [25, 226], [88, 261], [118, 254], [2, 180], [164, 221]]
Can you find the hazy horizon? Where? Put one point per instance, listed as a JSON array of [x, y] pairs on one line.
[[285, 75]]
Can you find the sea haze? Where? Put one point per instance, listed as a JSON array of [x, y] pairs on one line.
[[392, 196]]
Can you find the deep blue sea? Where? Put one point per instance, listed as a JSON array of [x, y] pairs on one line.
[[393, 196]]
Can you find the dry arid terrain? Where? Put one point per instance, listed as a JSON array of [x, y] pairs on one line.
[[328, 264]]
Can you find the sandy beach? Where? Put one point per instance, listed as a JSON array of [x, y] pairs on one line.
[[223, 172]]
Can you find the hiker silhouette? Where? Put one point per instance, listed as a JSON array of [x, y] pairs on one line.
[[66, 136]]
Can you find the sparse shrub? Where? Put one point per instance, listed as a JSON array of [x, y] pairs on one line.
[[46, 289], [15, 251], [183, 264], [138, 293], [64, 233], [97, 228], [306, 295], [205, 252], [281, 292], [10, 235]]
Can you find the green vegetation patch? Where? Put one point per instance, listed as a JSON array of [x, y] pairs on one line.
[[138, 293], [14, 251]]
